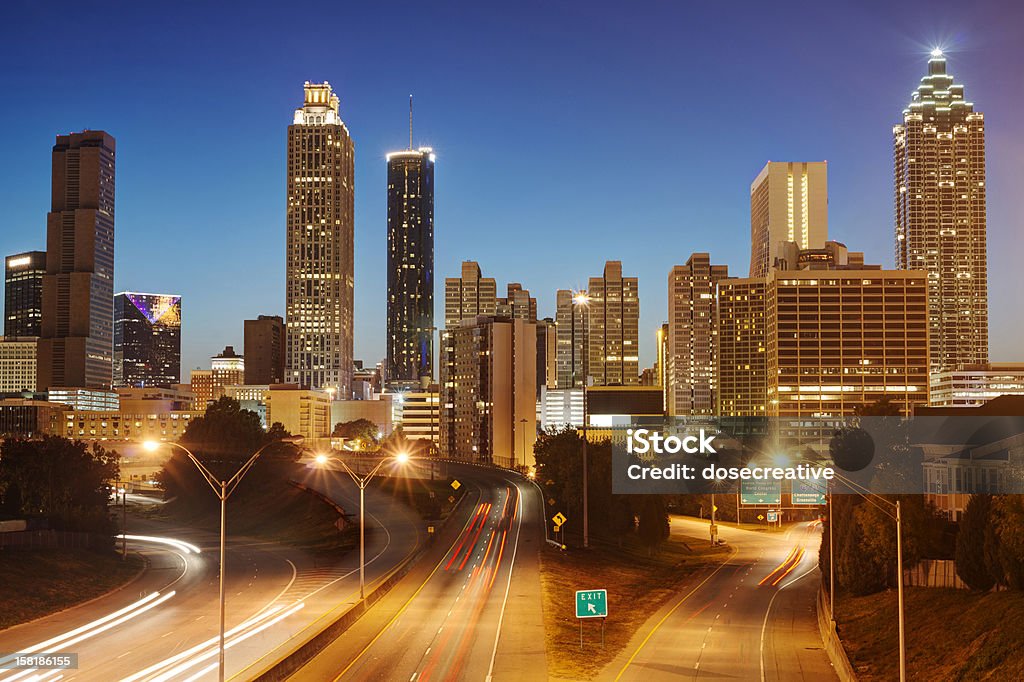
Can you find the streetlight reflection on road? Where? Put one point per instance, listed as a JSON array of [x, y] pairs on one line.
[[400, 458]]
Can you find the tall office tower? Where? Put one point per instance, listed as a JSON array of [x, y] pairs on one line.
[[788, 203], [939, 158], [147, 339], [613, 336], [570, 320], [691, 360], [822, 335], [76, 345], [320, 257], [23, 293], [468, 296], [410, 265], [518, 304], [489, 384], [547, 349], [264, 350]]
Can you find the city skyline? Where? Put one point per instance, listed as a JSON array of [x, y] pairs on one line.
[[708, 214]]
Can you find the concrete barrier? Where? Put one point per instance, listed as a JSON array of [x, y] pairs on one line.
[[830, 638]]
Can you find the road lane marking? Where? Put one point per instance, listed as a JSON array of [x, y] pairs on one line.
[[508, 585], [764, 624]]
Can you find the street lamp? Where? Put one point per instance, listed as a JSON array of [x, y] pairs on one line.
[[361, 481], [582, 300], [897, 516], [523, 422], [222, 489]]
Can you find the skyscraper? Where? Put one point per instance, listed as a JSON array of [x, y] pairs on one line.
[[147, 339], [939, 158], [410, 265], [692, 353], [569, 327], [264, 350], [468, 296], [77, 332], [23, 293], [518, 304], [788, 203], [319, 266], [613, 334]]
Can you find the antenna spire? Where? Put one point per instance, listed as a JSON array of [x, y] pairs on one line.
[[410, 122]]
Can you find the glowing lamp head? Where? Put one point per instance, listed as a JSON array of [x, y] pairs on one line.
[[321, 459], [402, 457], [150, 446], [581, 298], [936, 52]]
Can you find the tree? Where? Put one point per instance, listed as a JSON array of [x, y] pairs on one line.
[[1008, 545], [653, 526], [64, 481], [971, 564], [362, 430]]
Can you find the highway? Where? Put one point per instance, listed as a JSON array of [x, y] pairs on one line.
[[749, 618], [471, 609], [164, 625]]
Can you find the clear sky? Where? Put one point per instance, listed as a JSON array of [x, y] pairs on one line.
[[566, 134]]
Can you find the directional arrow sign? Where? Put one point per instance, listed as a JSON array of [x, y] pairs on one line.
[[559, 519], [591, 603]]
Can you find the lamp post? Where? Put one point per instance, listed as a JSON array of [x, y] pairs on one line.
[[897, 515], [582, 299], [523, 451], [361, 482], [223, 489]]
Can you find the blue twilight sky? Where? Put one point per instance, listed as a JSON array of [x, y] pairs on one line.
[[567, 134]]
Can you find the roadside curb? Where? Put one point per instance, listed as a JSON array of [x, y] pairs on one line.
[[830, 638]]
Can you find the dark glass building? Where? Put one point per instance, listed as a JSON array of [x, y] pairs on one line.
[[264, 350], [23, 293], [410, 267], [77, 332], [147, 339]]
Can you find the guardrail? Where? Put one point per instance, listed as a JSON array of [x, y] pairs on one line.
[[830, 638]]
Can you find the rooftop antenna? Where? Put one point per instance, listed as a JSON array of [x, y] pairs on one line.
[[410, 122]]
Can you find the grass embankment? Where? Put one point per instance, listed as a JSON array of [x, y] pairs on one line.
[[38, 582], [951, 635], [432, 499], [284, 514], [637, 584]]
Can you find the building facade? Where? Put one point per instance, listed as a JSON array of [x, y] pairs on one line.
[[302, 412], [410, 303], [469, 296], [264, 348], [788, 203], [23, 293], [940, 207], [227, 368], [517, 304], [147, 339], [570, 321], [691, 357], [613, 333], [319, 268], [17, 364], [975, 385], [76, 344]]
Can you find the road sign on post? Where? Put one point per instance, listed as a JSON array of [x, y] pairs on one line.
[[559, 519], [772, 516], [591, 603], [761, 492]]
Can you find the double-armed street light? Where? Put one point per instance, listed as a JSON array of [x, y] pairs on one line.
[[222, 489], [400, 458]]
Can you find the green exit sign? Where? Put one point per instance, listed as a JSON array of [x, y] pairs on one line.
[[591, 603]]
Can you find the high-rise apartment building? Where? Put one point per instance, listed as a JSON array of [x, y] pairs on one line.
[[570, 320], [23, 293], [319, 267], [788, 203], [469, 296], [517, 304], [147, 339], [264, 350], [410, 266], [822, 335], [488, 394], [17, 364], [613, 334], [691, 358], [939, 158], [77, 332]]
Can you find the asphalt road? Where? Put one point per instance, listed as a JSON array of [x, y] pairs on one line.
[[471, 610], [749, 618], [164, 626]]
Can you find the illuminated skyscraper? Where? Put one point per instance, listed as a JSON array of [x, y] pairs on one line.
[[569, 322], [23, 293], [468, 296], [690, 360], [76, 344], [788, 203], [410, 265], [613, 334], [518, 304], [319, 267], [939, 158], [147, 339]]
